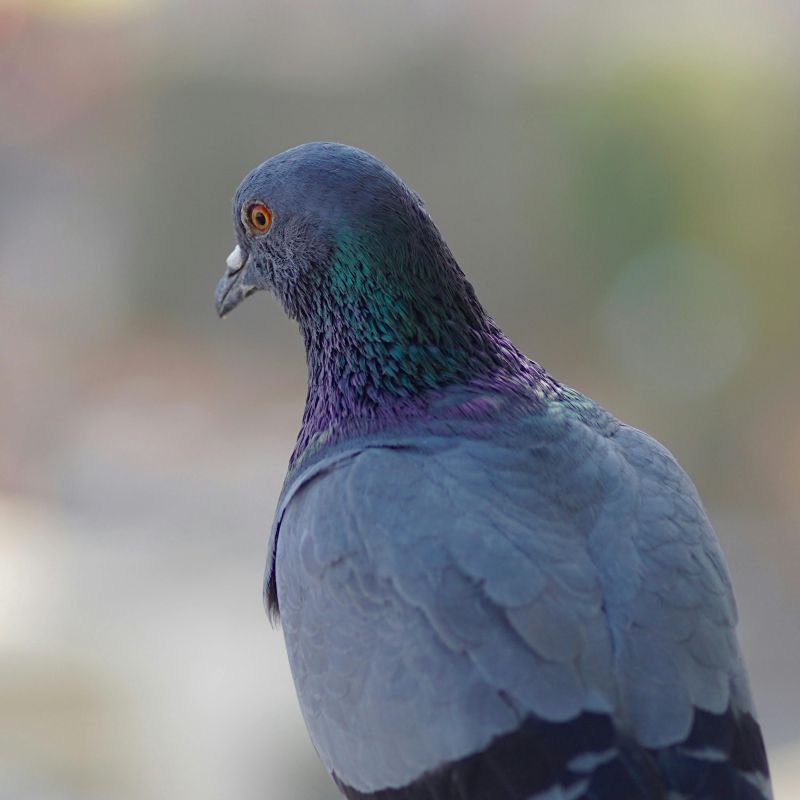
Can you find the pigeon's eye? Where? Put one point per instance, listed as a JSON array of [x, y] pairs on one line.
[[259, 217]]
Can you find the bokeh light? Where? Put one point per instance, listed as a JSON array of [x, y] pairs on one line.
[[680, 322]]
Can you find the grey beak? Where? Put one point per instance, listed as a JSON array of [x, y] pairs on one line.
[[233, 288]]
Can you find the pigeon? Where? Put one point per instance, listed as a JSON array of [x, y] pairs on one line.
[[489, 587]]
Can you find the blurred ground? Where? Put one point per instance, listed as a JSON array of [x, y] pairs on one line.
[[620, 181]]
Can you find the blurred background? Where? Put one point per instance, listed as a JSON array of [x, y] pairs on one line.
[[621, 181]]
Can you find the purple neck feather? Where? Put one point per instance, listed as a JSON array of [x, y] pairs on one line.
[[354, 390]]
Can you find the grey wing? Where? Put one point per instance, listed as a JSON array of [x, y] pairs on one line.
[[440, 602], [674, 617]]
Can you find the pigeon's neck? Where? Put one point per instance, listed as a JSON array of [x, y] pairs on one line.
[[378, 349]]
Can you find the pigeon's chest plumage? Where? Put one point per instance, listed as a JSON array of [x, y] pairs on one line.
[[558, 593]]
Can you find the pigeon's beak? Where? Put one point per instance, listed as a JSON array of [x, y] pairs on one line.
[[234, 286]]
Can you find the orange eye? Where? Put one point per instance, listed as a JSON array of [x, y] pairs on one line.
[[259, 217]]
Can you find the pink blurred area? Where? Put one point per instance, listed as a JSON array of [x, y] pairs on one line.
[[620, 183]]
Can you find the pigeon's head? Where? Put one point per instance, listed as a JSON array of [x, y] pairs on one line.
[[385, 311], [316, 218]]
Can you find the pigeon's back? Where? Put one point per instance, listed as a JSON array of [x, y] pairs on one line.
[[509, 606]]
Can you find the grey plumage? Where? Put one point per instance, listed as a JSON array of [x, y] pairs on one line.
[[436, 590]]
